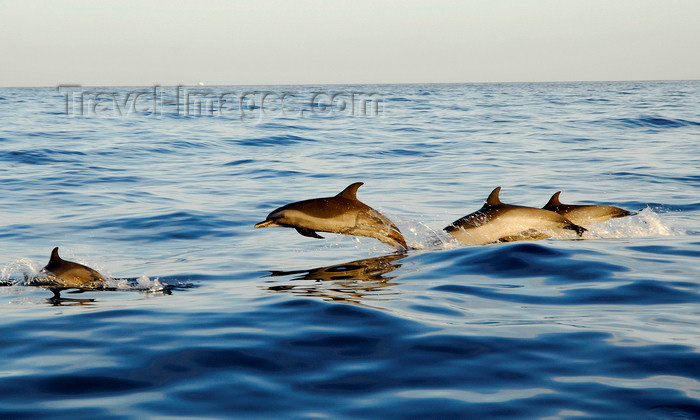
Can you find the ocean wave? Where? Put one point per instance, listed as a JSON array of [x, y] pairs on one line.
[[653, 122], [167, 226], [42, 156], [276, 140]]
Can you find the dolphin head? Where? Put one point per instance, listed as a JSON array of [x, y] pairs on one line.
[[275, 218], [291, 214]]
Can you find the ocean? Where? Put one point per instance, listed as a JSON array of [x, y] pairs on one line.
[[158, 188]]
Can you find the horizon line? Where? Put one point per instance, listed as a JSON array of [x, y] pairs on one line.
[[351, 84]]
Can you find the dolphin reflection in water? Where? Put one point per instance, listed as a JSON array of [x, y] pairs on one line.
[[353, 282], [343, 214]]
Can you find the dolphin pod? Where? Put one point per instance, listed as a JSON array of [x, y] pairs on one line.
[[494, 222], [343, 214], [499, 222], [64, 274], [585, 214]]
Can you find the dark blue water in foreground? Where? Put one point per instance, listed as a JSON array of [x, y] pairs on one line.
[[270, 324]]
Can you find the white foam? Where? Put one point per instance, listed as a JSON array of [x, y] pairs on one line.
[[420, 236], [20, 272], [643, 224], [143, 283]]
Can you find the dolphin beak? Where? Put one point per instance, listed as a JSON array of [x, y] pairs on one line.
[[266, 223]]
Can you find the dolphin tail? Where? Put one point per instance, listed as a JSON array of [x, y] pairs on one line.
[[398, 239], [381, 228], [393, 237]]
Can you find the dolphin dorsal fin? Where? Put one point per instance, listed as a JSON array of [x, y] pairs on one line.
[[351, 191], [54, 256], [493, 199], [554, 201]]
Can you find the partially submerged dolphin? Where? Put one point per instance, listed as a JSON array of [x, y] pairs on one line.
[[499, 222], [343, 214], [64, 274], [585, 215]]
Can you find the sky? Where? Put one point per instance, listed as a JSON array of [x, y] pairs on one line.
[[157, 42]]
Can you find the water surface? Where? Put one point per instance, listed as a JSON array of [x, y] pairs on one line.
[[271, 324]]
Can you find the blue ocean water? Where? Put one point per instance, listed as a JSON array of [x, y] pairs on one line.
[[159, 188]]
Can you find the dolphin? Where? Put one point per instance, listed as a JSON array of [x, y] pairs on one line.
[[64, 274], [499, 222], [585, 215], [343, 214]]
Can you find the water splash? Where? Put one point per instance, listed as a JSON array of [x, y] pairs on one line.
[[643, 224], [141, 284], [420, 236], [19, 273]]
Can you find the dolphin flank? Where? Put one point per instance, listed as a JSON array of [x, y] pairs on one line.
[[68, 275], [343, 214], [499, 222], [585, 214]]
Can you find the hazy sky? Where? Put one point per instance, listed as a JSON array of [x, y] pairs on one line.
[[146, 42]]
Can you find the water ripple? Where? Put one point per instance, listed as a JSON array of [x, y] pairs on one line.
[[204, 316]]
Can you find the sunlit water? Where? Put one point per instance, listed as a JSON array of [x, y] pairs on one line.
[[205, 316]]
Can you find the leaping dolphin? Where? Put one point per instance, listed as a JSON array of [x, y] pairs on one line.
[[585, 214], [499, 222], [343, 214], [64, 274]]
